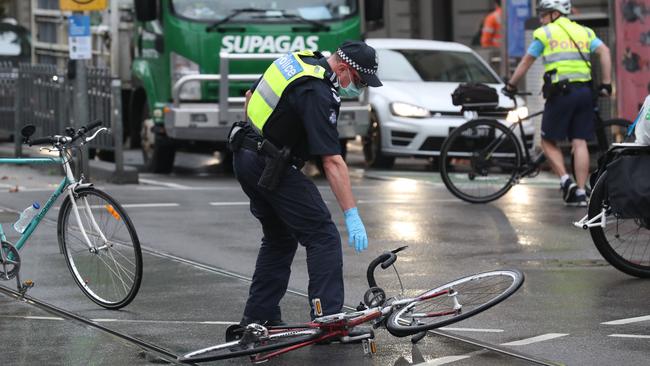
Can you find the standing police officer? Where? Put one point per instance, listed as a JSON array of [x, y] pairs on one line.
[[565, 47], [292, 115]]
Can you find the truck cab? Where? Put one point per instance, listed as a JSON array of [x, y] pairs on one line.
[[194, 60]]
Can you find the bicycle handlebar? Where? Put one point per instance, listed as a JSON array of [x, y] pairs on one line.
[[386, 260], [53, 140]]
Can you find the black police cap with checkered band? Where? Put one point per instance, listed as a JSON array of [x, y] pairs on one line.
[[362, 58]]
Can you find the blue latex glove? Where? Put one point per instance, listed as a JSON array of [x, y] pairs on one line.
[[356, 231]]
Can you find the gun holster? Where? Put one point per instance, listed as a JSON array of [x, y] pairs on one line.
[[277, 162], [551, 89], [236, 135]]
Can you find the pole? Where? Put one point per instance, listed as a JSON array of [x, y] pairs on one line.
[[116, 119], [81, 114], [505, 62], [18, 138]]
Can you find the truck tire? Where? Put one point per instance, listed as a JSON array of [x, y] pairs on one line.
[[372, 146], [158, 150]]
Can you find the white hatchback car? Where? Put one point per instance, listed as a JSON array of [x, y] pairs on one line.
[[412, 113]]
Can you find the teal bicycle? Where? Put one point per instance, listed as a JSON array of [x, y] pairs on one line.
[[95, 235]]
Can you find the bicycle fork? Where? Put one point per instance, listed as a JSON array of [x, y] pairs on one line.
[[86, 208]]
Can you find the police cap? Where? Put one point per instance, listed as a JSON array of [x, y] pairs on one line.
[[362, 58]]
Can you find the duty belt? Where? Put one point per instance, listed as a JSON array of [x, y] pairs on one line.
[[265, 147]]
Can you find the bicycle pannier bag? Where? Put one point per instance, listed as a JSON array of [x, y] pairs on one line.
[[628, 186], [475, 96]]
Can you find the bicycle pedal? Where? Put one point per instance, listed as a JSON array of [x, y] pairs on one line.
[[26, 285], [369, 347]]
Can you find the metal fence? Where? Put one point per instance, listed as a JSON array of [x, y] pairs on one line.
[[43, 96], [8, 80]]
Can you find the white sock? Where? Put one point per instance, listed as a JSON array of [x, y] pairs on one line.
[[581, 192], [563, 179]]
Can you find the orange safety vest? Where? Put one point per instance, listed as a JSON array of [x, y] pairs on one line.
[[491, 34]]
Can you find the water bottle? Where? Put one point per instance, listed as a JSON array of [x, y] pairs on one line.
[[26, 217]]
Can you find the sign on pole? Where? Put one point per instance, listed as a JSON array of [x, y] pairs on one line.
[[82, 5], [518, 12], [79, 41]]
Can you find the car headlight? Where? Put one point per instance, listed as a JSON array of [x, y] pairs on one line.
[[409, 110], [515, 114], [181, 66]]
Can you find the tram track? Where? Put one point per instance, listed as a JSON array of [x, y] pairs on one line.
[[171, 357]]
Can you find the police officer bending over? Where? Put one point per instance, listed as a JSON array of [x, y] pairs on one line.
[[565, 47], [292, 115]]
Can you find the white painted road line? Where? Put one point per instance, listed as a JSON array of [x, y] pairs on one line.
[[210, 322], [163, 184], [639, 336], [487, 330], [31, 317], [149, 205], [240, 203], [445, 360], [102, 320], [628, 320], [541, 338]]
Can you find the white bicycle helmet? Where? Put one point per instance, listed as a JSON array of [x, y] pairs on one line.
[[563, 6]]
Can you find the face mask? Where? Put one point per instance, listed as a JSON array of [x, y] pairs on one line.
[[351, 90]]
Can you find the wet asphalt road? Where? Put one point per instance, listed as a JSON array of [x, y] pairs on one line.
[[200, 215]]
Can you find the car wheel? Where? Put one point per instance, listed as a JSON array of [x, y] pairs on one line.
[[372, 146], [158, 150]]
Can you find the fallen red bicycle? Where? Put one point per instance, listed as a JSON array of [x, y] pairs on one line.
[[446, 304]]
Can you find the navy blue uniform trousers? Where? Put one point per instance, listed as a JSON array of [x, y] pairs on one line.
[[292, 213]]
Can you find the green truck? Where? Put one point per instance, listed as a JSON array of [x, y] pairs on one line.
[[193, 60]]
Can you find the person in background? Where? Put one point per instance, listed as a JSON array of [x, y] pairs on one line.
[[491, 33], [566, 48]]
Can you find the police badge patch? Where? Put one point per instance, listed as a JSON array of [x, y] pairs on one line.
[[332, 116]]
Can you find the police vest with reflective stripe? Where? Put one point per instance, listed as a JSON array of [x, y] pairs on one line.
[[276, 79], [561, 54]]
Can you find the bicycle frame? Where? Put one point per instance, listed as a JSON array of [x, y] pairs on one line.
[[68, 183], [338, 325]]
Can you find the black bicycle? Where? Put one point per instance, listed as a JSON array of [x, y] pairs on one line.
[[483, 158], [624, 241]]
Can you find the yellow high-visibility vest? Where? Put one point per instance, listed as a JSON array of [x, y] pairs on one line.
[[282, 72], [561, 54]]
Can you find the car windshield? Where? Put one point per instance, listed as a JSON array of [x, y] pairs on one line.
[[10, 43], [215, 10], [431, 65]]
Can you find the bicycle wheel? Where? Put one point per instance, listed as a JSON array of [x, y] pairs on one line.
[[109, 272], [258, 344], [479, 161], [440, 306], [624, 243]]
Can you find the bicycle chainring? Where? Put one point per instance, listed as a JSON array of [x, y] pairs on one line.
[[9, 261]]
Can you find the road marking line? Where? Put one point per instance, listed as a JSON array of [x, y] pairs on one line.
[[541, 338], [154, 182], [31, 317], [473, 330], [210, 322], [641, 336], [239, 203], [627, 320], [445, 360], [105, 320], [409, 202], [147, 205]]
